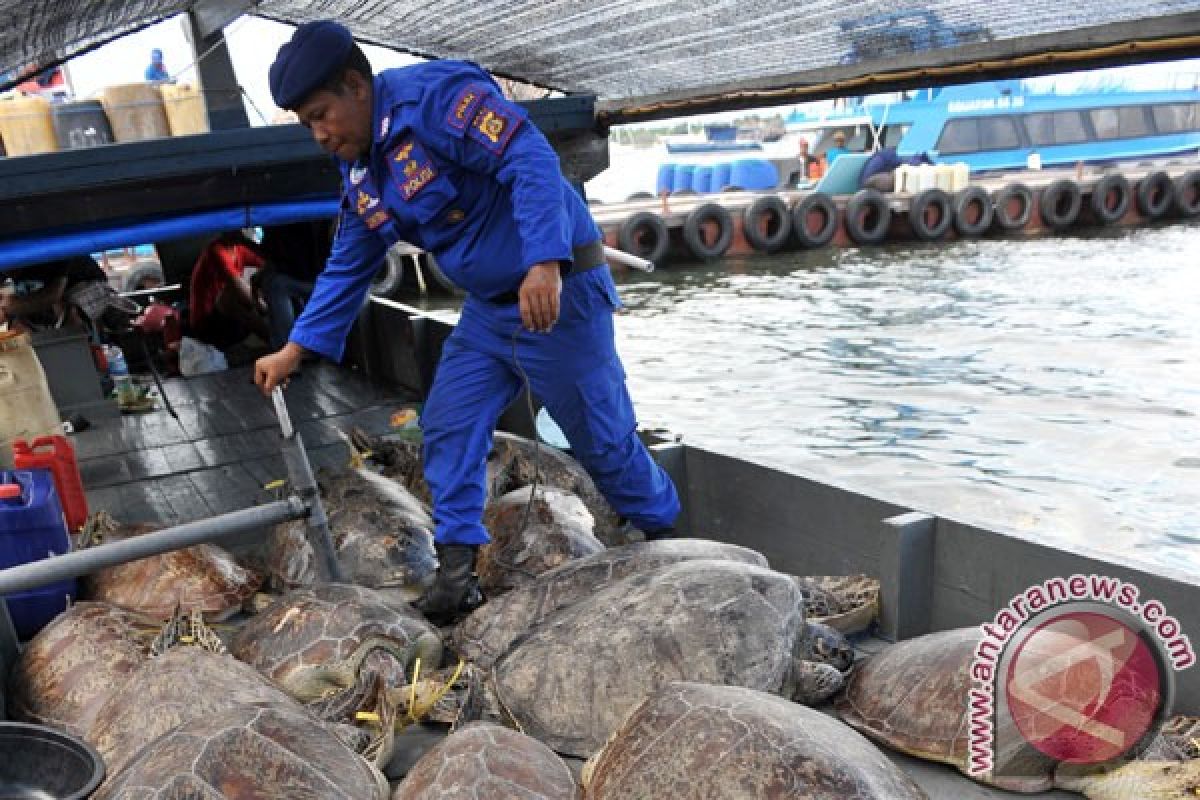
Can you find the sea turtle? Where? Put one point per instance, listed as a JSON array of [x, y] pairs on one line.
[[914, 696], [399, 457], [511, 464], [692, 740], [485, 761], [1168, 769], [183, 684], [515, 460], [488, 632], [203, 577], [382, 533], [262, 750], [1137, 780], [572, 679], [69, 669], [531, 538], [848, 603], [312, 642]]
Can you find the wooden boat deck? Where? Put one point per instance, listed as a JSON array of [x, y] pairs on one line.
[[224, 447]]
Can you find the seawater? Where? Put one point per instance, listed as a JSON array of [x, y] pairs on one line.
[[1045, 386]]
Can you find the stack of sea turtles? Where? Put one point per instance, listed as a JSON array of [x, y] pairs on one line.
[[596, 668]]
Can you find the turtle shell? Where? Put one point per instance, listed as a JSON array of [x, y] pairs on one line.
[[914, 696], [382, 533], [575, 676], [488, 633], [558, 529], [691, 741], [203, 577], [325, 624], [264, 751], [67, 672], [485, 761], [183, 684], [515, 460], [848, 603]]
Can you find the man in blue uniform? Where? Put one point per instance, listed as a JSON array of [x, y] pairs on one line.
[[434, 155]]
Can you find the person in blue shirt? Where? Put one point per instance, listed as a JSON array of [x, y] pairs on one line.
[[157, 70], [836, 149], [433, 154]]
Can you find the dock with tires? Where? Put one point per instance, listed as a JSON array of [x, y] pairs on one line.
[[706, 227]]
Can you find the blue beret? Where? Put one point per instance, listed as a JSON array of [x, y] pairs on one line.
[[309, 59]]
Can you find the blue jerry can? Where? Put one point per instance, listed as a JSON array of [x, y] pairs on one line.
[[32, 527]]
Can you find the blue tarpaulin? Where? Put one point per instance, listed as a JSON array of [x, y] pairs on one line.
[[51, 245]]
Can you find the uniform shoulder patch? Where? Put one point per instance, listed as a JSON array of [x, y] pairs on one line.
[[466, 102], [494, 125], [411, 167]]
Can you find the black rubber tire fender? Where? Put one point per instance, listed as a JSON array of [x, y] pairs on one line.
[[868, 217], [767, 224], [141, 271], [1060, 203], [1110, 199], [390, 276], [1186, 194], [1003, 215], [1154, 195], [433, 270], [937, 202], [802, 212], [697, 221], [968, 225], [645, 235]]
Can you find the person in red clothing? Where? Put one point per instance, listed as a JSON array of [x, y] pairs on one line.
[[223, 310]]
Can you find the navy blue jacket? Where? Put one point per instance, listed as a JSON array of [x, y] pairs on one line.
[[457, 170]]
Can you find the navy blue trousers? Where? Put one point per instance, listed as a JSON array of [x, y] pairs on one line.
[[575, 371]]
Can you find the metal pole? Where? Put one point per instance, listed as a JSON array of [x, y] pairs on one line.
[[300, 475], [82, 562]]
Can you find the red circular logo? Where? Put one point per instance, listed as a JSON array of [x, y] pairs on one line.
[[1083, 687]]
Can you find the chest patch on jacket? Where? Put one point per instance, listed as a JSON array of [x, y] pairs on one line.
[[412, 168], [494, 125]]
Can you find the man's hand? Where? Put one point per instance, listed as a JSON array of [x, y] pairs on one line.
[[539, 296], [275, 368]]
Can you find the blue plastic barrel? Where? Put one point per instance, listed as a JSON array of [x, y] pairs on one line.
[[666, 178], [720, 175], [684, 177], [702, 179], [31, 528], [754, 173]]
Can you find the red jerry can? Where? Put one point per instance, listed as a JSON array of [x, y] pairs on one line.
[[56, 454]]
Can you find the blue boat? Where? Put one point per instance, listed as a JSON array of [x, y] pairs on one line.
[[999, 125]]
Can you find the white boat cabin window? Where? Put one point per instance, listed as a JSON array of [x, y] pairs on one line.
[[1120, 123], [1055, 127], [1177, 117]]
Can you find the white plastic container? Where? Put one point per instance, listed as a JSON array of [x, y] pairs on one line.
[[926, 177], [944, 177], [962, 175]]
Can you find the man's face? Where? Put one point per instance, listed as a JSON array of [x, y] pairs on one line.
[[340, 121]]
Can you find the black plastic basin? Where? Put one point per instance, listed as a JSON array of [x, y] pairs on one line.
[[40, 763]]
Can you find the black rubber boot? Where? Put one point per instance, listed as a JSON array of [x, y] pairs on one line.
[[455, 590]]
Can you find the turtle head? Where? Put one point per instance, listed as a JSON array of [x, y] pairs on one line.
[[828, 645]]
